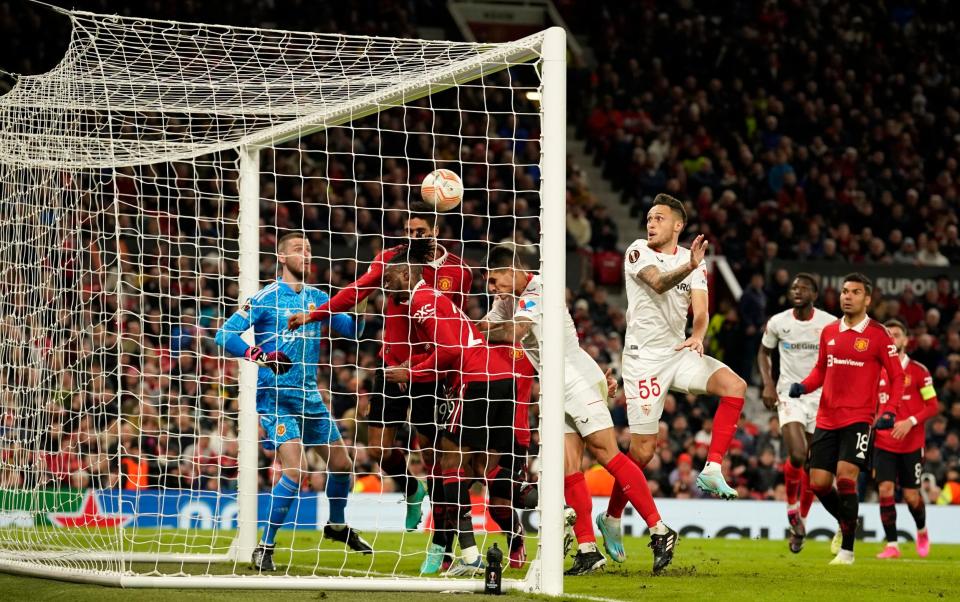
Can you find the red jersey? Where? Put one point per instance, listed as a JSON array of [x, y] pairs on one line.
[[524, 373], [456, 344], [919, 400], [848, 368], [447, 274]]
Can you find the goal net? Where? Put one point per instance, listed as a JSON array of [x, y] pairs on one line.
[[145, 185]]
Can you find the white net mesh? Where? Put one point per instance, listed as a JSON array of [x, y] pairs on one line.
[[120, 259]]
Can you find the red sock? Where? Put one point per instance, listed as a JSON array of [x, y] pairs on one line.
[[618, 499], [724, 426], [577, 495], [634, 487], [807, 494], [793, 481]]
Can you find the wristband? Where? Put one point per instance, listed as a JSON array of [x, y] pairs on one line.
[[913, 419]]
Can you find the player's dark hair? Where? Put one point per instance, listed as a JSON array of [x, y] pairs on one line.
[[288, 237], [504, 257], [420, 210], [893, 323], [416, 252], [673, 204], [809, 278], [858, 277]]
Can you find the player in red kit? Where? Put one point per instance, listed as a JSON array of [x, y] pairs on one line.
[[898, 455], [393, 405], [503, 508], [852, 353], [480, 427]]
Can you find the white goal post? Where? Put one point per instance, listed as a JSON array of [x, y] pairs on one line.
[[222, 127]]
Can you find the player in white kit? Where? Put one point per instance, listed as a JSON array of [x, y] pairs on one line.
[[515, 317], [664, 281], [795, 333]]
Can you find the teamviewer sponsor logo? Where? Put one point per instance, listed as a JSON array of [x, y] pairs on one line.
[[839, 361]]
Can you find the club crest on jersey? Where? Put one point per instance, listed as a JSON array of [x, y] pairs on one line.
[[906, 380], [633, 256], [861, 344], [281, 430], [312, 306], [445, 283], [517, 353], [645, 408]]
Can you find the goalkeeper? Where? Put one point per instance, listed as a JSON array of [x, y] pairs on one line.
[[291, 409]]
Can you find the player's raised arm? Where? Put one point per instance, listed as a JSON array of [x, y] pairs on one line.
[[348, 324], [765, 365], [345, 300], [662, 282]]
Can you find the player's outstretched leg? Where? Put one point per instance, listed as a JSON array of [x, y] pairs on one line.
[[603, 446], [731, 389]]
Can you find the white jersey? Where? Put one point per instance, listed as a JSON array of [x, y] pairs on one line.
[[657, 323], [581, 371], [798, 342]]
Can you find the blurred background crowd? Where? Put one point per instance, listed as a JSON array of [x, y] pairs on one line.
[[806, 131]]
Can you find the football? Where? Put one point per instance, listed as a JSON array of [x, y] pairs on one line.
[[442, 189]]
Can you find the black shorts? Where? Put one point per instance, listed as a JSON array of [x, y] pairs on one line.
[[904, 469], [850, 443], [418, 405], [482, 418], [515, 459]]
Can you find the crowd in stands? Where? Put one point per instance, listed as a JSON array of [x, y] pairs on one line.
[[794, 130], [814, 131]]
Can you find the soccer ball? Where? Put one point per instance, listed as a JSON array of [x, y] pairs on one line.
[[442, 189]]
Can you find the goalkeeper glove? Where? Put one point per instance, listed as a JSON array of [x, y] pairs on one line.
[[885, 422], [796, 390], [277, 361]]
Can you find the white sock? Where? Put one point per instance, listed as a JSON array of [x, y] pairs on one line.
[[590, 546], [845, 553], [471, 554], [893, 544], [336, 527], [658, 529], [793, 507], [611, 521], [711, 467]]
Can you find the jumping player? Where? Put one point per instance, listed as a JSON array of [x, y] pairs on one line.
[[796, 334], [392, 404], [664, 281], [852, 352], [288, 399], [480, 427], [898, 456], [516, 316]]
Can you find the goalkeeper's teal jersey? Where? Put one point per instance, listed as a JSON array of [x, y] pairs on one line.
[[267, 312]]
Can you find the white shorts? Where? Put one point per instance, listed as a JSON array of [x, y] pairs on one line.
[[646, 382], [586, 406], [802, 409]]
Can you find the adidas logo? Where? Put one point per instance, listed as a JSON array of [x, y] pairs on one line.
[[861, 456], [832, 342]]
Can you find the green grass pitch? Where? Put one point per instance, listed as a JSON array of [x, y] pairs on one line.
[[702, 569]]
